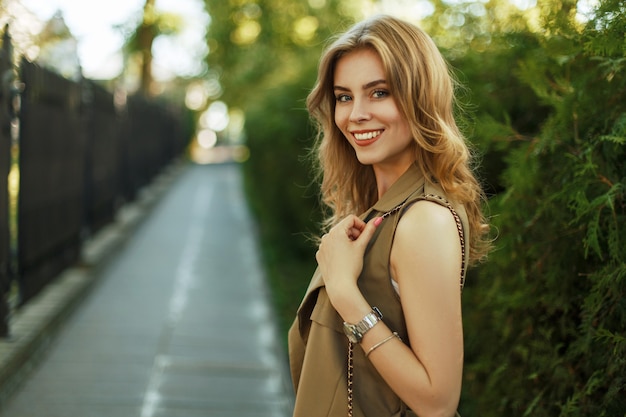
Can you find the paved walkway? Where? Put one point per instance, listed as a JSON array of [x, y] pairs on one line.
[[178, 323]]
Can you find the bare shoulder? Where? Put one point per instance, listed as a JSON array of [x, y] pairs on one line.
[[426, 240], [423, 220]]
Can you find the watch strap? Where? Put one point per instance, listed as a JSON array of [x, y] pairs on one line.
[[355, 332], [367, 322]]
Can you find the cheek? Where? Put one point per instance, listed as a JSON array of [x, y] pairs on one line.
[[341, 117], [338, 119], [340, 123]]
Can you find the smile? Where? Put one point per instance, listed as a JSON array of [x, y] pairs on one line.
[[367, 135]]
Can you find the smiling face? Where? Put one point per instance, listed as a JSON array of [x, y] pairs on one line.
[[367, 114]]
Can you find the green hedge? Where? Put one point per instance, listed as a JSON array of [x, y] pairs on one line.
[[545, 317], [279, 183]]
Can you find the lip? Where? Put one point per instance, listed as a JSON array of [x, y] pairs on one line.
[[367, 136]]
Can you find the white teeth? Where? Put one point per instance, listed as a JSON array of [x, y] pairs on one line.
[[368, 135]]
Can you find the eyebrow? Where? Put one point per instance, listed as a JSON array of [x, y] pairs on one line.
[[365, 86]]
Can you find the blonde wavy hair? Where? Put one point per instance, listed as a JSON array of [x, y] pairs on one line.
[[423, 87]]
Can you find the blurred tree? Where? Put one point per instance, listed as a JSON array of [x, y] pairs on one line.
[[58, 48], [146, 33], [254, 44], [152, 25]]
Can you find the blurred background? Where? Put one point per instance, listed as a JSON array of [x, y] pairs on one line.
[[543, 104]]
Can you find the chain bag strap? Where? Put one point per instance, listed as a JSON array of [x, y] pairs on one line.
[[350, 376], [459, 226]]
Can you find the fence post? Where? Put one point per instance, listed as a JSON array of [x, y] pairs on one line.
[[6, 98]]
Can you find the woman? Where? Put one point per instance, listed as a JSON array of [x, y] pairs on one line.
[[379, 332]]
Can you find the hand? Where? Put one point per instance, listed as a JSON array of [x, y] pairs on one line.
[[340, 255]]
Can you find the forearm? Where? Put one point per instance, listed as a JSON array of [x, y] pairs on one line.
[[426, 394]]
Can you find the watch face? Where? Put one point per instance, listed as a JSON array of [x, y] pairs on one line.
[[350, 332]]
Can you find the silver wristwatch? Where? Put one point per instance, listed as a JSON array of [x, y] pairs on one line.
[[355, 332]]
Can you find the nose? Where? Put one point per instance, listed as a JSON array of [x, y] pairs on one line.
[[360, 112]]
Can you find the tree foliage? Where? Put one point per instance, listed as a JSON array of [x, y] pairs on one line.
[[546, 315], [141, 37], [258, 44]]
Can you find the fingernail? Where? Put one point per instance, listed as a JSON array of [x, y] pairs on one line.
[[378, 221]]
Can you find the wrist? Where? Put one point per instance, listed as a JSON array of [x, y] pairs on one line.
[[348, 301], [355, 331], [353, 309]]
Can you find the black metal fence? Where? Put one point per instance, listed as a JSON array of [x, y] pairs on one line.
[[52, 181], [81, 155]]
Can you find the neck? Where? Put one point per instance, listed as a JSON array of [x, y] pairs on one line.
[[387, 176]]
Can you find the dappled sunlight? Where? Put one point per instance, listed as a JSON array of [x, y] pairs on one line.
[[207, 138], [248, 27], [304, 29], [219, 137], [246, 33], [218, 154], [215, 117]]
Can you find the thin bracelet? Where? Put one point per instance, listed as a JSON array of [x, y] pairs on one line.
[[382, 342]]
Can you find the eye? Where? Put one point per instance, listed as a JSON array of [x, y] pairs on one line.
[[380, 93], [342, 98]]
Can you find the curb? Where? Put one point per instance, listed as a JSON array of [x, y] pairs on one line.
[[35, 326]]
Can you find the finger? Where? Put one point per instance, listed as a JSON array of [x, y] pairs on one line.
[[351, 227], [358, 226], [353, 222], [354, 233], [369, 229]]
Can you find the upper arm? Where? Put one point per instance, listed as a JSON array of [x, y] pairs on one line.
[[426, 263]]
